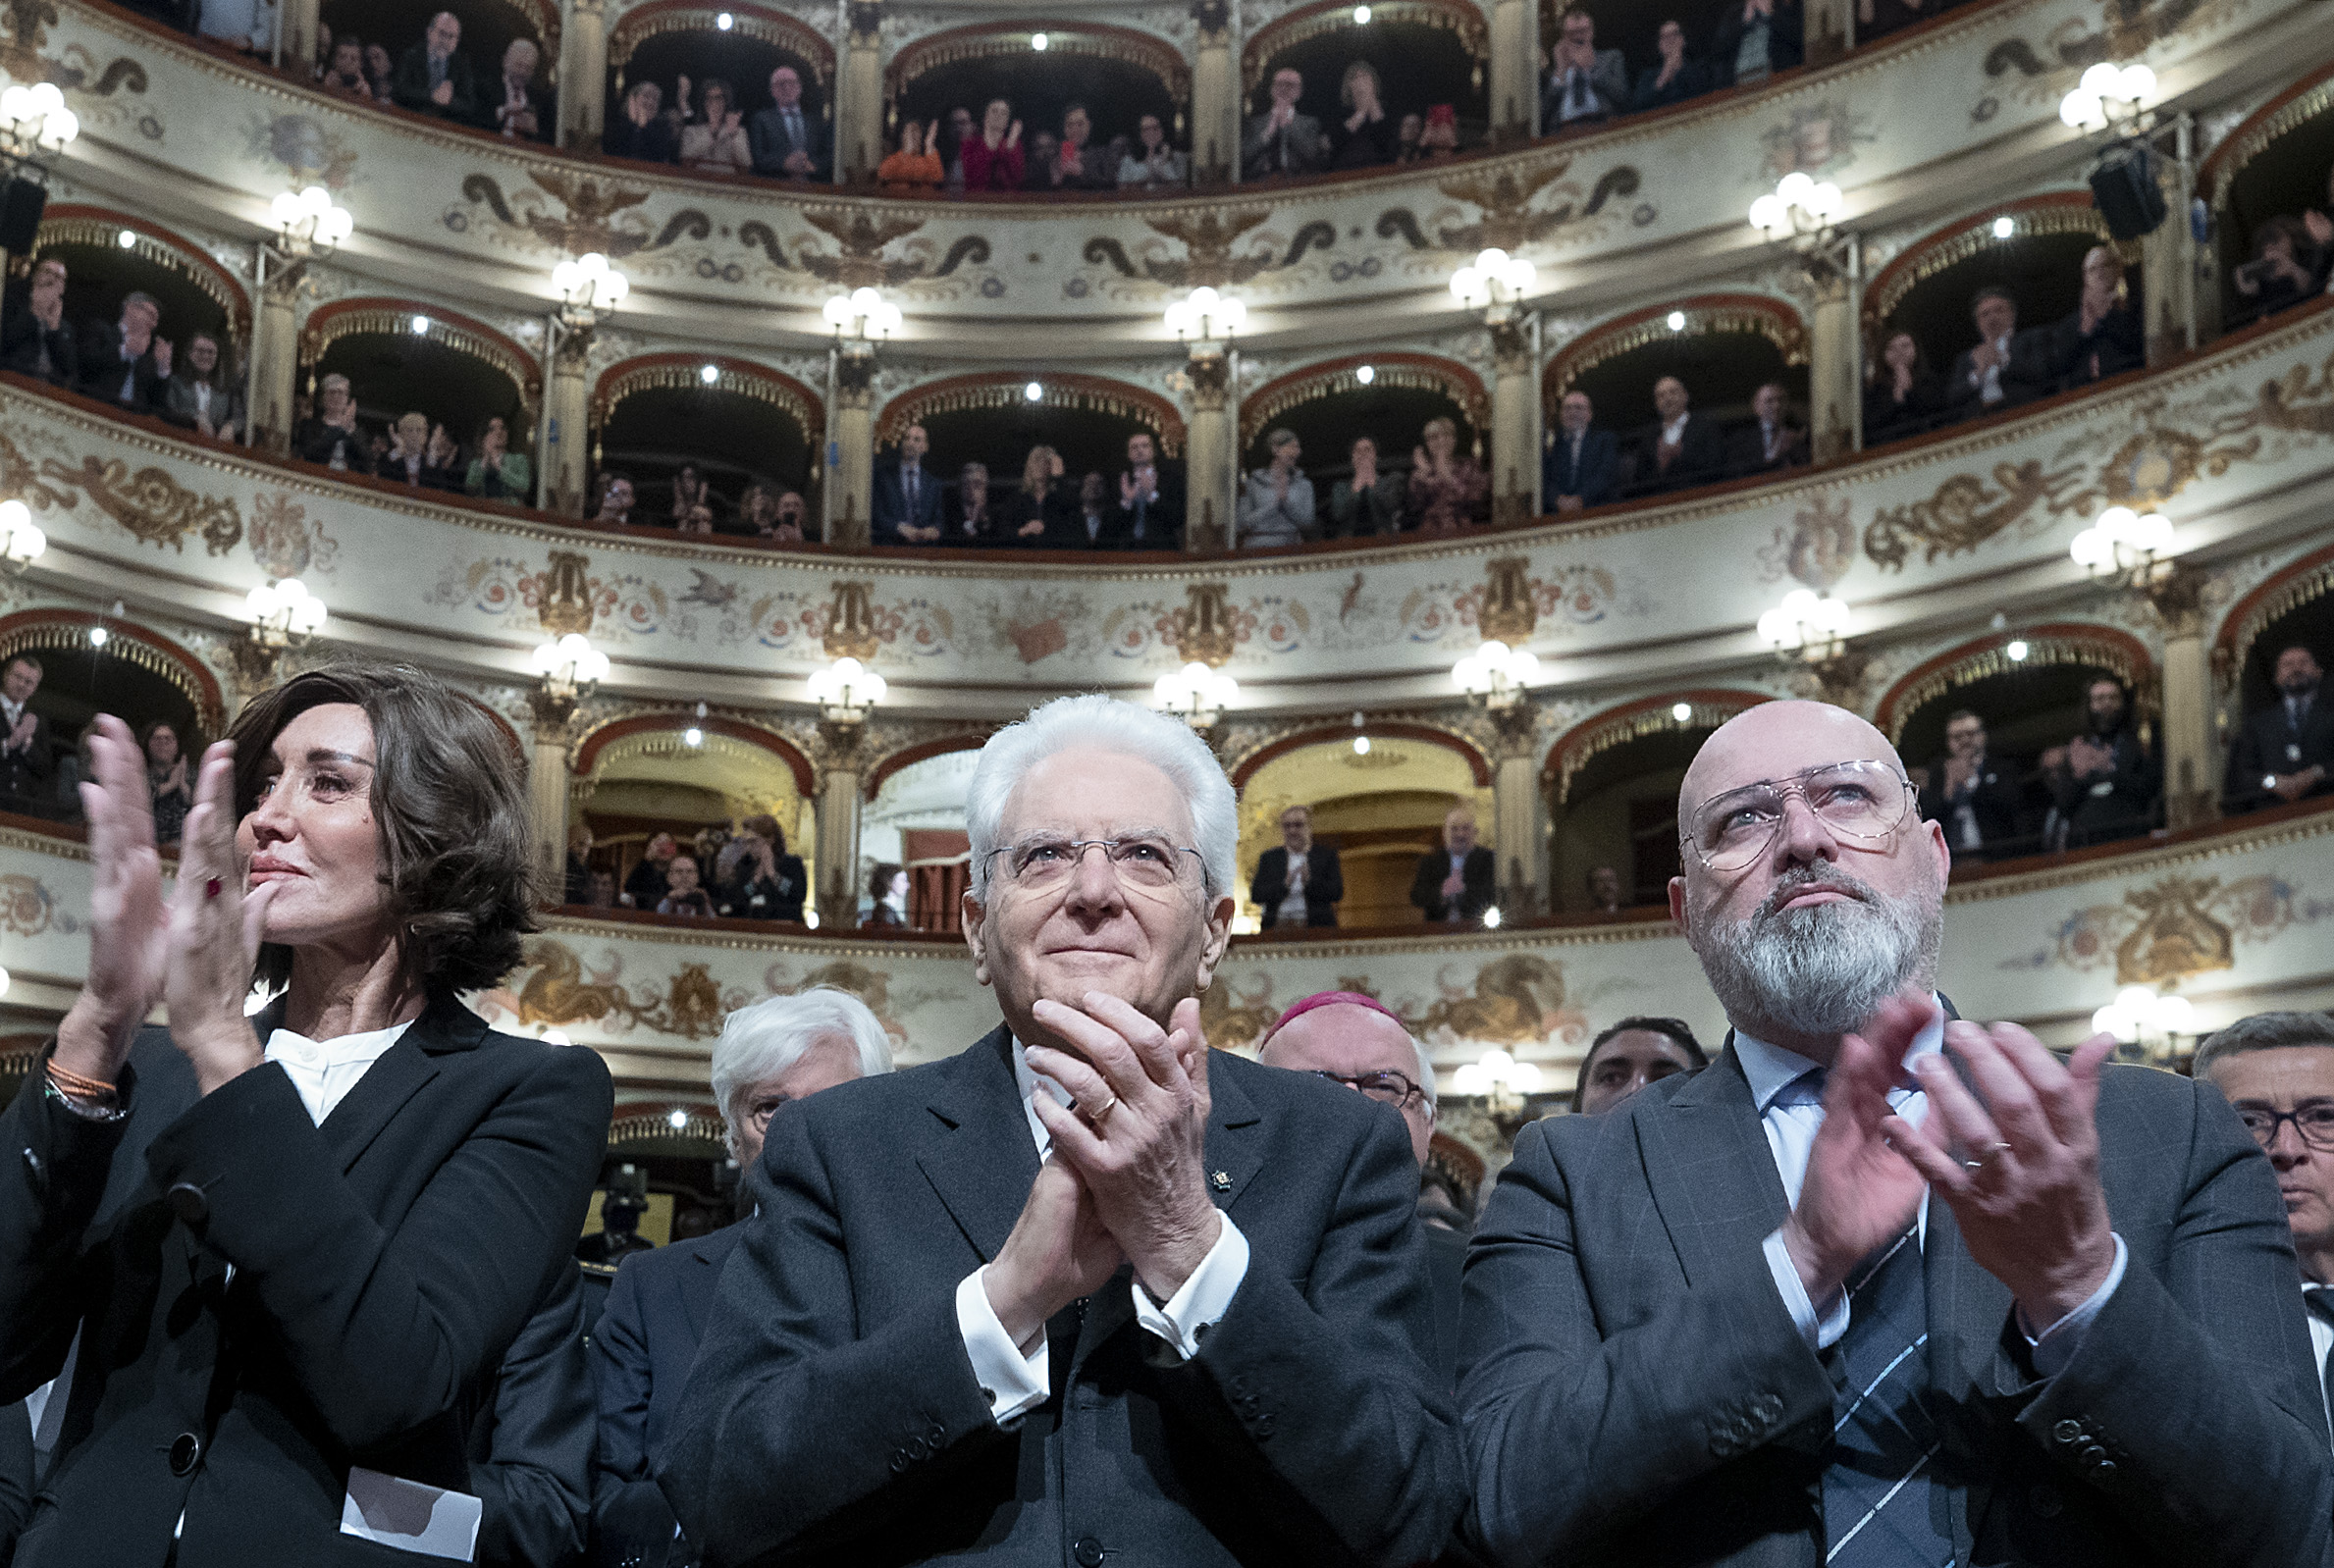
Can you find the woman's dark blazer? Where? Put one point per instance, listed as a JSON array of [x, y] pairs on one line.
[[263, 1302]]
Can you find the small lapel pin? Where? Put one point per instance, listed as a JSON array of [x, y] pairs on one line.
[[1221, 1180]]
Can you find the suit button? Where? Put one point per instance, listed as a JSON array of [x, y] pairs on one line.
[[2103, 1470], [184, 1450], [1087, 1552], [900, 1463], [1768, 1408], [2069, 1431], [938, 1436], [2046, 1501], [188, 1202]]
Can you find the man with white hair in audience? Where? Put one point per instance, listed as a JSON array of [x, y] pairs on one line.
[[779, 1049], [1086, 1290]]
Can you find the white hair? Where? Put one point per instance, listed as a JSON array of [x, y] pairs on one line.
[[763, 1040], [1094, 722]]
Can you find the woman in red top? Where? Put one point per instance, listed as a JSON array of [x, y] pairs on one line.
[[993, 160]]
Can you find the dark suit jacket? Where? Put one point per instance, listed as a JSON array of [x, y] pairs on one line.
[[1786, 38], [1993, 795], [1594, 478], [21, 335], [2029, 375], [103, 373], [654, 142], [1300, 147], [409, 85], [641, 1357], [383, 1263], [1746, 451], [1161, 522], [16, 1475], [1306, 1431], [531, 1446], [1324, 885], [2262, 748], [887, 502], [766, 134], [24, 772], [2113, 805], [1701, 456], [1481, 889], [2117, 345], [1636, 1392]]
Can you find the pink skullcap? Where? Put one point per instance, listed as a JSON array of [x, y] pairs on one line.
[[1321, 999]]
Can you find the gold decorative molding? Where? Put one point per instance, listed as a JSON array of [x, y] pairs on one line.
[[2112, 651], [565, 601], [105, 234], [323, 330], [2229, 159], [684, 372], [1772, 320], [1474, 33], [1056, 390], [1636, 720], [1972, 238], [775, 27], [72, 635], [1417, 372], [1966, 512], [1096, 40], [1203, 628], [850, 630], [2237, 641], [1509, 615]]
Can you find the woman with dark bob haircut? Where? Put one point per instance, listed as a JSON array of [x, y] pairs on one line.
[[294, 1246]]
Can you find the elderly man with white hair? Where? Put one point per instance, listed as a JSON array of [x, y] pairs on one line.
[[1086, 1290], [780, 1049]]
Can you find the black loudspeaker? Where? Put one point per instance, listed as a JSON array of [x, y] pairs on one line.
[[2124, 189], [21, 204]]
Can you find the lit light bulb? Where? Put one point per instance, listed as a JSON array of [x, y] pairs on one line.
[[1033, 391], [2004, 226], [2017, 651], [126, 240], [1366, 374], [676, 1119], [1362, 16], [1677, 321], [1681, 711], [724, 22], [1360, 745], [420, 326], [1039, 42], [709, 373]]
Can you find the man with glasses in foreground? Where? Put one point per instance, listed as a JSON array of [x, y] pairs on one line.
[[1086, 1292], [1879, 1287], [2277, 1069]]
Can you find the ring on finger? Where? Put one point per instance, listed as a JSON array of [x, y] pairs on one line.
[[1093, 1118]]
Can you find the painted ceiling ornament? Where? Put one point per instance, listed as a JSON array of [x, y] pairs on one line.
[[1819, 546], [2127, 28], [1816, 136], [577, 213], [1517, 999], [152, 505], [1208, 237], [2176, 937], [1966, 512]]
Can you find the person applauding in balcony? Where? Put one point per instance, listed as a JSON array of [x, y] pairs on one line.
[[968, 522], [34, 337], [1367, 501], [1074, 164], [1276, 503], [1675, 78], [497, 473], [1039, 516], [1365, 138], [642, 130], [433, 78], [915, 169], [1585, 84], [1279, 140], [203, 397], [786, 145], [993, 160], [1769, 445], [2101, 338], [716, 143], [345, 73], [1758, 39], [124, 362], [332, 438], [1150, 163], [520, 111], [1902, 393], [1447, 489]]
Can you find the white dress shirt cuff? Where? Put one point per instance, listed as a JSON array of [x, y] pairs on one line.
[[1013, 1384], [1204, 1297], [2057, 1345], [1821, 1329]]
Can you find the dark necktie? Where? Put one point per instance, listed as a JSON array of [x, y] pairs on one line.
[[909, 475], [1881, 1508], [794, 128], [2319, 1299], [2297, 713]]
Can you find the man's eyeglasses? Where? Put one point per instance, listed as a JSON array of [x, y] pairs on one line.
[[2313, 1123], [1142, 861], [1389, 1088], [1860, 801]]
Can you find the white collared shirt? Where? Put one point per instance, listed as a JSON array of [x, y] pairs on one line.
[[1790, 1127], [1673, 429], [2322, 1343], [1293, 904], [1015, 1384], [1990, 380], [325, 1071]]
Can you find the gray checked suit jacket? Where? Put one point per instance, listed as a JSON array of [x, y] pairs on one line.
[[1634, 1390]]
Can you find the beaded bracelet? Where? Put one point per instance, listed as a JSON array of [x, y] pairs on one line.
[[84, 1089], [87, 1113]]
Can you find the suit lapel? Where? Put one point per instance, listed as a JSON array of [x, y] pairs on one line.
[[1712, 1172], [365, 1111], [977, 1152], [698, 1283]]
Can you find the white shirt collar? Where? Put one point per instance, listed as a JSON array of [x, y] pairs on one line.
[[1028, 1081], [1770, 1069], [325, 1071], [1671, 429]]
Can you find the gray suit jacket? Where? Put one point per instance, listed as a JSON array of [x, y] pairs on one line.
[[833, 1417], [1636, 1392]]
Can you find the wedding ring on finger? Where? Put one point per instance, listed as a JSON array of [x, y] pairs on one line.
[[1093, 1118], [1990, 1150]]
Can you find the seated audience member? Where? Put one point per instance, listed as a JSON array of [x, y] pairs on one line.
[[644, 888], [1151, 164], [1876, 18], [1298, 882], [791, 525], [1902, 395], [1633, 1053], [602, 893], [716, 142], [497, 473], [2006, 367], [441, 462], [1074, 164], [2281, 274], [615, 500], [433, 78], [1446, 488], [642, 130], [2284, 752], [332, 438], [915, 168], [1758, 39], [764, 882], [683, 894], [1039, 518], [204, 397], [173, 792], [993, 160], [1279, 140], [1038, 167], [1604, 890], [1769, 446], [1092, 524], [969, 520], [520, 111], [888, 897], [779, 1049], [245, 25], [1680, 448], [1366, 503], [1405, 139], [952, 146], [1972, 795], [786, 142], [1459, 881], [904, 505], [689, 491], [2276, 1071], [1438, 139], [1351, 1038], [126, 362], [576, 877], [1585, 84], [345, 75], [1365, 138], [533, 1435], [1276, 502], [25, 764], [1151, 502], [381, 71], [1675, 78], [2102, 336], [34, 337], [2103, 783], [698, 519], [423, 457], [1582, 468]]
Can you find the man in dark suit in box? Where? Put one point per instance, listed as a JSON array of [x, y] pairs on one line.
[[904, 503], [1300, 882], [1877, 1288], [1583, 467], [1460, 880], [2286, 751], [1087, 1292], [1972, 795]]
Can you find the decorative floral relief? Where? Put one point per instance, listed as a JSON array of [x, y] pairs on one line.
[[1037, 624], [1818, 137], [307, 151], [2174, 927], [1817, 550], [285, 542]]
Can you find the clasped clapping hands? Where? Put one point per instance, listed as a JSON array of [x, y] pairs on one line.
[[1126, 1181], [2014, 1153]]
